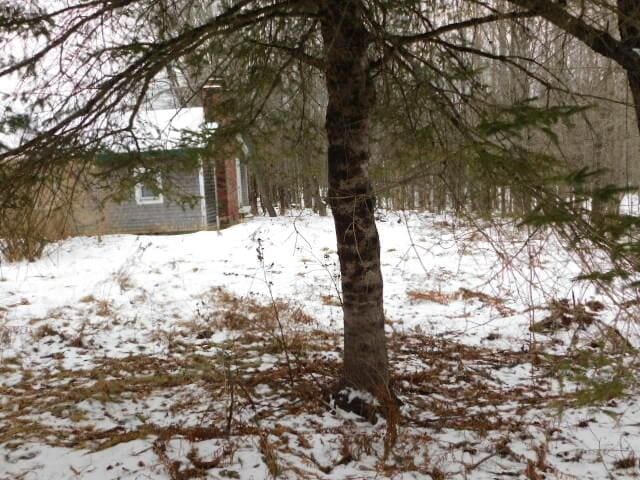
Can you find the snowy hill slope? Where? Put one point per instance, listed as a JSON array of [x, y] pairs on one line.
[[117, 358]]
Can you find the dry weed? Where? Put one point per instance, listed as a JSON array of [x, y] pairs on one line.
[[627, 462], [430, 296], [124, 281], [331, 300], [46, 331], [445, 298], [442, 385], [103, 308], [269, 455], [495, 302]]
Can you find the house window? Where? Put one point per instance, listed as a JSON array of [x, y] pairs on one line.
[[145, 195]]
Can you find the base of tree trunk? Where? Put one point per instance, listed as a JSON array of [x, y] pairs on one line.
[[364, 404]]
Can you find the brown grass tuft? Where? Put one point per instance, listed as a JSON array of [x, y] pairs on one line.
[[627, 462], [445, 298], [331, 300], [431, 296], [269, 455]]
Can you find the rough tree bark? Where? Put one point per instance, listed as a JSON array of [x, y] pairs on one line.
[[351, 95]]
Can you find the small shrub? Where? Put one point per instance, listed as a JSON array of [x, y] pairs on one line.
[[46, 331], [26, 231], [627, 462], [15, 249]]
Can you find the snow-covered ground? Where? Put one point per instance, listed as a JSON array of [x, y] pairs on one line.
[[122, 355]]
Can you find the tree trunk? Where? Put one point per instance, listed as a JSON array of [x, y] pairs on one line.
[[265, 201], [307, 193], [629, 28], [282, 197], [263, 189], [351, 95], [253, 195], [318, 204]]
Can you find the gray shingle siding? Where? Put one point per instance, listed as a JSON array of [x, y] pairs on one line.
[[131, 217]]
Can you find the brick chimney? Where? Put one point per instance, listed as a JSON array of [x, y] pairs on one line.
[[216, 109], [212, 100]]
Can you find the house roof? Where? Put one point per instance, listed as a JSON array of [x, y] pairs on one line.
[[163, 130], [153, 130]]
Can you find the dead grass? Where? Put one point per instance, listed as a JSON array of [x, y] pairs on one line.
[[269, 455], [88, 299], [331, 300], [445, 298], [492, 301], [46, 331], [563, 316], [578, 317], [258, 321], [103, 308], [443, 386], [7, 333], [442, 298], [627, 462]]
